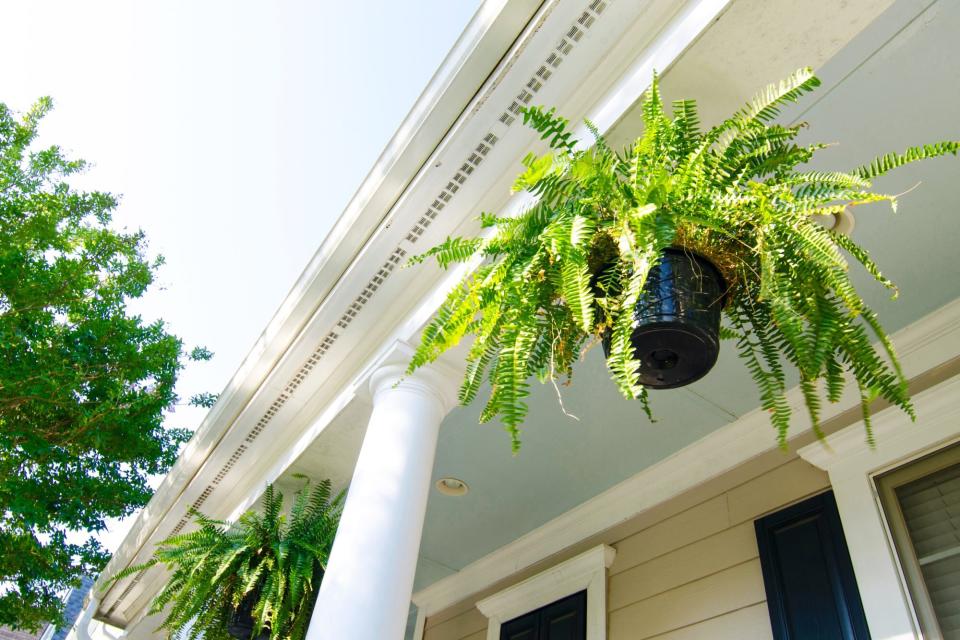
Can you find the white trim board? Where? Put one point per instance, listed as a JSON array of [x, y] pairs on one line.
[[923, 345], [852, 466], [587, 571]]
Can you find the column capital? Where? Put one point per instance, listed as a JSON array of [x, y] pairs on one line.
[[437, 379]]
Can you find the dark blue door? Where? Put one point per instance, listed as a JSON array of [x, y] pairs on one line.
[[811, 590], [563, 620]]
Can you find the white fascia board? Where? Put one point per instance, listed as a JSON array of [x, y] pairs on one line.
[[923, 345], [490, 33]]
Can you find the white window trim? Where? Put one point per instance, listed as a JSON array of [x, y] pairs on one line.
[[852, 466], [587, 571]]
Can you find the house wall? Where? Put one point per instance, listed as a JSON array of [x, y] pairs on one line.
[[688, 569], [6, 633]]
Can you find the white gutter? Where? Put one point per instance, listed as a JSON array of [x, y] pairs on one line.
[[82, 627]]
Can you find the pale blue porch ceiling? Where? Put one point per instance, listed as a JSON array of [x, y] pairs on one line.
[[907, 92]]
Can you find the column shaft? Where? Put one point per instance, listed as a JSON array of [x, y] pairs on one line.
[[366, 591]]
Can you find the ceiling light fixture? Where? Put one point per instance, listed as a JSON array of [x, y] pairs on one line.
[[842, 222], [452, 487]]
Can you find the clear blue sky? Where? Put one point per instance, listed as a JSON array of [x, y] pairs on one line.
[[235, 130]]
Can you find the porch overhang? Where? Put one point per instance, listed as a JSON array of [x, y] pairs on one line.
[[298, 399]]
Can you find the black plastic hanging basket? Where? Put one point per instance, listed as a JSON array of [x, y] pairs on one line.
[[241, 622], [676, 334]]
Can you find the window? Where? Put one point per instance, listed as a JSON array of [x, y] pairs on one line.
[[921, 501], [566, 602], [565, 619]]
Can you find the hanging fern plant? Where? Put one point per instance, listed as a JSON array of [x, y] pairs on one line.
[[257, 578], [569, 272]]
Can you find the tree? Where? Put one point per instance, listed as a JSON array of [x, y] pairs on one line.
[[84, 383]]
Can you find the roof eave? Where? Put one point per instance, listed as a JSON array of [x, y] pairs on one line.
[[486, 39]]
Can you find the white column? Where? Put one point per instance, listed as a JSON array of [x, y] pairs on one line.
[[366, 591]]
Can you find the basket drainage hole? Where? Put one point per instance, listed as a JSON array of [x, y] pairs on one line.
[[664, 358]]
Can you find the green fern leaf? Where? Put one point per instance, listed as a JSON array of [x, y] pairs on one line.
[[890, 161]]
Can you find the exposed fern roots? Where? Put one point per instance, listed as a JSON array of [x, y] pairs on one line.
[[734, 193]]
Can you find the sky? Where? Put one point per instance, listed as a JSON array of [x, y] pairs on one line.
[[235, 131]]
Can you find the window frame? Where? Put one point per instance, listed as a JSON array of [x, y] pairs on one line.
[[853, 466], [887, 484], [585, 572]]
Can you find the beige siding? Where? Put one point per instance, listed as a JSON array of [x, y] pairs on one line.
[[705, 557], [750, 622], [705, 598], [693, 574], [687, 575], [461, 627]]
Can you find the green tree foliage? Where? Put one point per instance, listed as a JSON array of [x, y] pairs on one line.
[[276, 562], [84, 384], [569, 270]]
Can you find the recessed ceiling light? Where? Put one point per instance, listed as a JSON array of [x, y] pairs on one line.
[[841, 222], [452, 487]]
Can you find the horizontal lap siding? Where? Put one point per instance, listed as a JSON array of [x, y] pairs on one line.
[[465, 626], [692, 603], [697, 574], [694, 575], [751, 623]]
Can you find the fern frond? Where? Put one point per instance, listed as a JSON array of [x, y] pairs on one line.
[[765, 105], [550, 126], [449, 251], [215, 567], [686, 127], [890, 161], [537, 169], [576, 290]]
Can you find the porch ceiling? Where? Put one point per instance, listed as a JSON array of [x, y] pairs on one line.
[[892, 86]]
